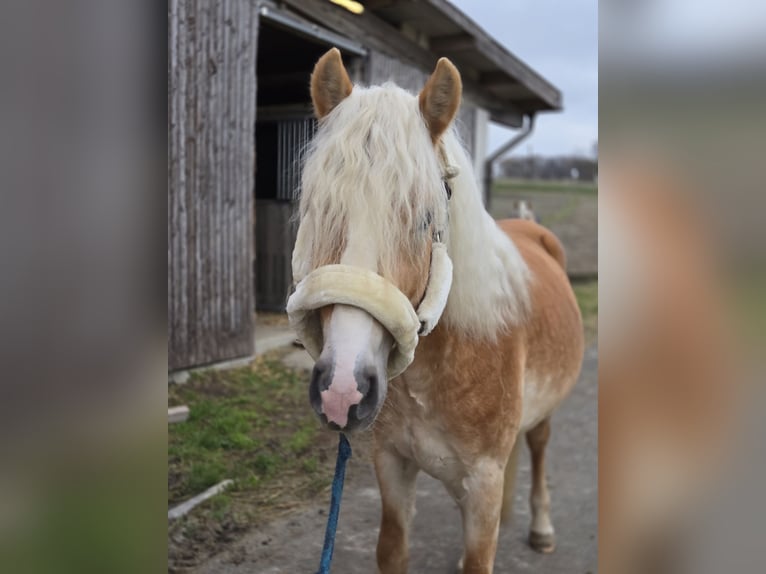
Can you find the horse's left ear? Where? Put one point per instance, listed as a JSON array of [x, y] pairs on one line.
[[440, 98]]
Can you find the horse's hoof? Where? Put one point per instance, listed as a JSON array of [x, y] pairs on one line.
[[543, 543]]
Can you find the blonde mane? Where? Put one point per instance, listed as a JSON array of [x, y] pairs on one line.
[[490, 285], [372, 163]]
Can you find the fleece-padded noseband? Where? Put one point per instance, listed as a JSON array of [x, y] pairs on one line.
[[366, 290]]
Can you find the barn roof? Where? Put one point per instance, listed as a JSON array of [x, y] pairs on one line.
[[423, 31]]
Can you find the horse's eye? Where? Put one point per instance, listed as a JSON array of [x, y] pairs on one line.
[[426, 222]]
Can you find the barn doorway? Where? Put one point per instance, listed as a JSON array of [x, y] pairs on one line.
[[287, 51]]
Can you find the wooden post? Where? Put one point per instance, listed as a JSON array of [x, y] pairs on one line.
[[212, 103]]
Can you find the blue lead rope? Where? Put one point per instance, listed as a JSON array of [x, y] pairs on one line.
[[344, 453]]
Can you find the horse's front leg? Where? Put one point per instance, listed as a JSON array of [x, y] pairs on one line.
[[481, 505], [396, 479]]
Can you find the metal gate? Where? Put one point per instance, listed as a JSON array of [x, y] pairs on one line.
[[276, 222]]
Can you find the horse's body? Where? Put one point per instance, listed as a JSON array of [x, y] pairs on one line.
[[457, 411], [509, 344]]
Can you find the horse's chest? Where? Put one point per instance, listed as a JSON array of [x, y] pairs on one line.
[[420, 436]]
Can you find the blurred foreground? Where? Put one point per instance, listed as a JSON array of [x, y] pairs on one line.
[[681, 260]]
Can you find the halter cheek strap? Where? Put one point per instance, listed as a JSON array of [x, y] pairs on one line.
[[437, 291]]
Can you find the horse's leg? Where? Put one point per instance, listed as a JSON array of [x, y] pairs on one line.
[[541, 535], [481, 506], [509, 483], [396, 479]]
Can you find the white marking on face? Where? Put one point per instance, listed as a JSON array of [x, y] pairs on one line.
[[347, 339], [353, 339]]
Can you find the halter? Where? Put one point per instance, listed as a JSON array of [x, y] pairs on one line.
[[374, 294]]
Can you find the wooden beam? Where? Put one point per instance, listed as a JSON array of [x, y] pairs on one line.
[[377, 4], [377, 33], [512, 119], [451, 44], [500, 56], [496, 77], [507, 88], [516, 92], [521, 71]]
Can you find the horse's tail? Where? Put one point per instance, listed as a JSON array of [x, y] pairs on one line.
[[509, 483], [536, 233], [553, 246]]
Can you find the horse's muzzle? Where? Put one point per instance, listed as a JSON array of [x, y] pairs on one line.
[[346, 403]]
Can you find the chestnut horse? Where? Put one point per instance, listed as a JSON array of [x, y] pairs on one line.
[[507, 348]]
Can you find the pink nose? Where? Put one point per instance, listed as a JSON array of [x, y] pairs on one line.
[[336, 402]]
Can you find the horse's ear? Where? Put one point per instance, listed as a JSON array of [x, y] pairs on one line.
[[440, 97], [330, 83]]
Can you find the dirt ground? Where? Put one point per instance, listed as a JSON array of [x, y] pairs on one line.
[[293, 543]]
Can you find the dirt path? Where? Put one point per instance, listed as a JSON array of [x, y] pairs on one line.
[[292, 545]]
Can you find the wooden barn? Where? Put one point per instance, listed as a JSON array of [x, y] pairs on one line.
[[240, 115]]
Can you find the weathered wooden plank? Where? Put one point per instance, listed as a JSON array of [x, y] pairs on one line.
[[185, 507], [210, 180], [178, 414], [452, 43]]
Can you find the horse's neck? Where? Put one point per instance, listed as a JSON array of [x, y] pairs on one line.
[[489, 290]]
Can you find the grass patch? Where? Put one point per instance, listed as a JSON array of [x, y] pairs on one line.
[[231, 430], [253, 425], [563, 213], [536, 185], [587, 299]]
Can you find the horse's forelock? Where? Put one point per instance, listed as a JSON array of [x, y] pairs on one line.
[[372, 163]]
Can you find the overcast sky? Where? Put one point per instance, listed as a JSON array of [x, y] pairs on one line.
[[558, 39]]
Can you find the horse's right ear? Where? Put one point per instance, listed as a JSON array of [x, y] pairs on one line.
[[440, 98], [330, 83]]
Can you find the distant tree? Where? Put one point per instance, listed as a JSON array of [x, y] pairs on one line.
[[557, 167]]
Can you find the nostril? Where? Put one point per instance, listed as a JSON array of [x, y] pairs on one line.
[[366, 379], [368, 385], [321, 377]]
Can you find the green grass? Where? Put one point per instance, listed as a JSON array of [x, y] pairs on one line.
[[587, 299], [251, 425], [563, 213], [526, 185]]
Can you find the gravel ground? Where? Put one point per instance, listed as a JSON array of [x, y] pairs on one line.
[[292, 545]]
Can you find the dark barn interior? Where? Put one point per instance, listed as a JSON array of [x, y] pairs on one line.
[[287, 53]]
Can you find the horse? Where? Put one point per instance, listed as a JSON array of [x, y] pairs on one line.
[[391, 216], [522, 209]]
